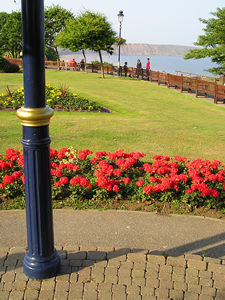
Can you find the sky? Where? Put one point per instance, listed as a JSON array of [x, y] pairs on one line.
[[171, 22]]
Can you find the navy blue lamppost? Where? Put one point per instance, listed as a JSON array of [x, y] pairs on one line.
[[41, 259], [120, 19]]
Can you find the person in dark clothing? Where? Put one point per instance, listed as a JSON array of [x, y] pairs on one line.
[[139, 66], [125, 69]]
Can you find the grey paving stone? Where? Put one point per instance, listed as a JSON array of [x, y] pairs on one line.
[[16, 295], [4, 295], [31, 295]]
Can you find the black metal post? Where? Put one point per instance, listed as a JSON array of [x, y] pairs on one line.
[[118, 65], [41, 259]]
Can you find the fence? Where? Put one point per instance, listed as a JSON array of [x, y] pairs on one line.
[[183, 83]]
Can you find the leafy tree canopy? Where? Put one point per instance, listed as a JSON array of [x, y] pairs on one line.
[[11, 33], [55, 20], [212, 42], [89, 30]]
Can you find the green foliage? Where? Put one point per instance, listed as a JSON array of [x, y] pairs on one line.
[[11, 33], [120, 41], [50, 53], [3, 18], [57, 98], [88, 30], [213, 42], [55, 20], [97, 62]]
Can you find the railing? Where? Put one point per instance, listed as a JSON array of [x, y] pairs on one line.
[[184, 83]]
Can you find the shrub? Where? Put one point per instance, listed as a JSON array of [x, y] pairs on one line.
[[7, 67], [3, 63], [11, 68]]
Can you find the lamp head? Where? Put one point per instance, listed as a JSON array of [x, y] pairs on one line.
[[120, 16]]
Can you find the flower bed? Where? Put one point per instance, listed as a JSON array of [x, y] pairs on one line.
[[83, 179], [57, 98]]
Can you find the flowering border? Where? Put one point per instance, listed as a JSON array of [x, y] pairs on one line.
[[81, 175]]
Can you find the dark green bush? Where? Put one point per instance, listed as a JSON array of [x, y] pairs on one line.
[[3, 63], [11, 68]]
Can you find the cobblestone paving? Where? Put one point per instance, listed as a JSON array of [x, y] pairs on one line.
[[115, 274]]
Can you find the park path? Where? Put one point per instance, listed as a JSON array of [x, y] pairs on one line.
[[119, 255]]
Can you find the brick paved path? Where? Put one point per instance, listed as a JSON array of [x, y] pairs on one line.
[[115, 274]]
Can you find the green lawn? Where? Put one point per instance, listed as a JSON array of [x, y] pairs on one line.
[[145, 118]]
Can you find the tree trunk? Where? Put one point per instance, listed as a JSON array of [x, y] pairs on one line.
[[85, 61], [101, 62], [58, 59]]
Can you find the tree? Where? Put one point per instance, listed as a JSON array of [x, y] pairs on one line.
[[213, 42], [11, 33], [89, 31], [3, 18], [55, 20]]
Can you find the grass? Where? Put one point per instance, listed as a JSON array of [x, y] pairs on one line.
[[145, 118]]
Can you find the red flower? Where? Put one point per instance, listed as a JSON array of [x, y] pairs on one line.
[[75, 180], [57, 183], [16, 175], [58, 173], [64, 180], [117, 172], [100, 154], [94, 160], [148, 168], [84, 153], [12, 154], [116, 188], [53, 153], [148, 189], [126, 180], [3, 165], [62, 166], [180, 158], [84, 181], [140, 182], [7, 179]]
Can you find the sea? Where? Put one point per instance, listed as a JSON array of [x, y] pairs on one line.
[[168, 64]]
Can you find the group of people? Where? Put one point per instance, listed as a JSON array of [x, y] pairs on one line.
[[72, 64], [138, 68]]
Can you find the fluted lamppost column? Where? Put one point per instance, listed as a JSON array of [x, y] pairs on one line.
[[41, 259], [120, 19]]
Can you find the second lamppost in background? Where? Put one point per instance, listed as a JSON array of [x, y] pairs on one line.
[[120, 18]]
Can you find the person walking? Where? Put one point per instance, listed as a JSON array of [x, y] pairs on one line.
[[138, 68], [148, 68]]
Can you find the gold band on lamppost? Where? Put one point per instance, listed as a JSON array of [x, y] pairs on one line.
[[35, 116]]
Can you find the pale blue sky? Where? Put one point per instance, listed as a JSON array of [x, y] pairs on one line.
[[146, 21]]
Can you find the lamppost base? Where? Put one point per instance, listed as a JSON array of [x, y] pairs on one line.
[[41, 267]]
